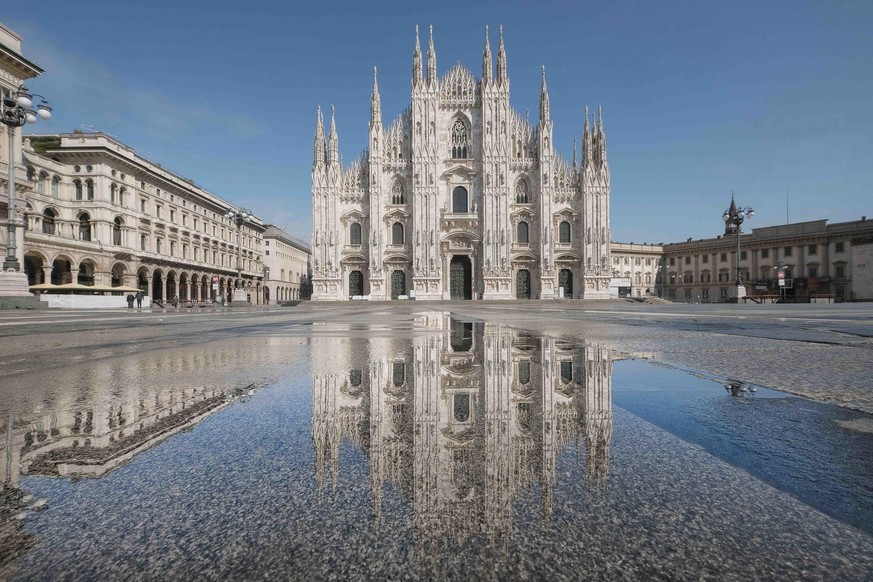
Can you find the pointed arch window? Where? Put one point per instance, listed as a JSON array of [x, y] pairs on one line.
[[398, 196], [396, 234], [84, 227], [564, 232], [522, 192], [48, 221], [523, 233], [459, 200], [355, 233], [460, 139]]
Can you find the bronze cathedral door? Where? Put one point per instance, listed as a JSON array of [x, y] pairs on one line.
[[460, 278]]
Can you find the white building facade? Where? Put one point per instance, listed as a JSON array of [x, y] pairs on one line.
[[97, 213], [461, 197], [287, 269]]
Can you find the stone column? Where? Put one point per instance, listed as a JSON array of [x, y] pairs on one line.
[[164, 288], [47, 274]]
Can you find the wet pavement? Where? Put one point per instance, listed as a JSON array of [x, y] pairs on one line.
[[417, 445]]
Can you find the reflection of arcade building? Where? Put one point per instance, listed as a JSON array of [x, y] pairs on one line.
[[461, 421]]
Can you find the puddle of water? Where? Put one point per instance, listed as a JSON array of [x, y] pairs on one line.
[[453, 449], [805, 448]]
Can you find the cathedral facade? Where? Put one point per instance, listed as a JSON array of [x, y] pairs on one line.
[[461, 197]]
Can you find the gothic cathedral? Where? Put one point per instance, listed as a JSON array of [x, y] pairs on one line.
[[461, 198]]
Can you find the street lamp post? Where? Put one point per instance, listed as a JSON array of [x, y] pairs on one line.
[[17, 110], [736, 216], [238, 217]]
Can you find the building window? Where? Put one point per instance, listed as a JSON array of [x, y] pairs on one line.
[[55, 182], [522, 192], [648, 278], [158, 210], [84, 227], [840, 271], [172, 248], [687, 260], [813, 272], [459, 199], [638, 278], [142, 206], [172, 215], [89, 189], [523, 233], [765, 253], [397, 234], [742, 255], [116, 231], [840, 247], [564, 232], [398, 373], [398, 196], [113, 194], [143, 242], [649, 262], [723, 257], [786, 251], [459, 139], [672, 261], [705, 258], [355, 233], [688, 278], [158, 245], [48, 221], [566, 371], [78, 186], [812, 249]]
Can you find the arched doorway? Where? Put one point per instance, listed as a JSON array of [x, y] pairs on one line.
[[157, 286], [522, 284], [86, 273], [266, 295], [117, 275], [33, 268], [460, 278], [398, 284], [356, 283], [142, 281], [565, 280], [172, 287], [61, 271]]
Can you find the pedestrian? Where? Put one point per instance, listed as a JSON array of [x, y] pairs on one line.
[[130, 300], [176, 301], [139, 297]]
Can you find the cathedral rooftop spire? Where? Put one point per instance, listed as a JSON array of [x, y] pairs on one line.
[[501, 60], [574, 154], [544, 98], [319, 140], [333, 141], [601, 136], [486, 60], [416, 61], [431, 60], [587, 145], [376, 102]]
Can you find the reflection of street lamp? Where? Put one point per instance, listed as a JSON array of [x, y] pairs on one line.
[[238, 217], [736, 216], [17, 110]]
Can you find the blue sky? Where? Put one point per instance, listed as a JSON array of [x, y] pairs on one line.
[[698, 98]]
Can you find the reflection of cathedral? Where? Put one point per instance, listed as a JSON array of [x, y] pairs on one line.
[[463, 420]]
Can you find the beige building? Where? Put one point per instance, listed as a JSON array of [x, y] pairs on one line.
[[635, 268], [287, 269], [819, 261], [97, 213]]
